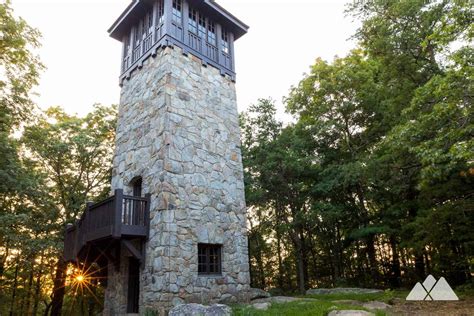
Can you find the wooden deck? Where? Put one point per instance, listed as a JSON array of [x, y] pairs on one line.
[[117, 218]]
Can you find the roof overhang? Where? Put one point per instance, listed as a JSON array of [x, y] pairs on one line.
[[135, 10]]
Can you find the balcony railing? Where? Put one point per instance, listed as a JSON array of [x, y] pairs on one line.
[[118, 217]]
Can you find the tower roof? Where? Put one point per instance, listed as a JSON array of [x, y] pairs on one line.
[[137, 8]]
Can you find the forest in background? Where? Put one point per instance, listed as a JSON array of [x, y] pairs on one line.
[[371, 185]]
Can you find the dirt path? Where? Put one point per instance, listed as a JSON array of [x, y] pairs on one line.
[[452, 308]]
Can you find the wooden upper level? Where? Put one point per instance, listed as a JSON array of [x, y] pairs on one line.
[[119, 217], [200, 27]]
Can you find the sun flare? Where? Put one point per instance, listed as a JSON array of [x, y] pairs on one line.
[[79, 278]]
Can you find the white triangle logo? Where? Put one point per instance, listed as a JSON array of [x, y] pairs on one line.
[[443, 292], [429, 282], [418, 293], [432, 290]]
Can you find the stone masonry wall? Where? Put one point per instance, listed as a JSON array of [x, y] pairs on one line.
[[178, 129]]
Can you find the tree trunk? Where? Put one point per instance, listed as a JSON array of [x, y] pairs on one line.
[[300, 271], [15, 284], [30, 285], [419, 266], [3, 259], [300, 265], [37, 292], [261, 269], [304, 252], [280, 262], [249, 261], [47, 308], [372, 259], [59, 290], [396, 272], [336, 258]]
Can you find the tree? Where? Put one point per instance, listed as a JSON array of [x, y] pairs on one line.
[[373, 183], [21, 201], [413, 41], [19, 67], [76, 155], [276, 168], [438, 130]]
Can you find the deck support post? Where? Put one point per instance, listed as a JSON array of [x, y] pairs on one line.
[[117, 231]]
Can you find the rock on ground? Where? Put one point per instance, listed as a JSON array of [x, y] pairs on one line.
[[194, 309], [261, 306], [343, 290], [284, 299], [372, 305], [350, 313], [375, 305], [255, 293]]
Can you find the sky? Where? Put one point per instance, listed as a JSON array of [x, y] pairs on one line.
[[83, 62]]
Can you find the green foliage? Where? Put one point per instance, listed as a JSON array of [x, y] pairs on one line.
[[76, 154], [376, 176], [19, 66]]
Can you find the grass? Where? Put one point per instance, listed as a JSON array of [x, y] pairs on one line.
[[325, 303], [298, 308], [322, 306], [303, 308]]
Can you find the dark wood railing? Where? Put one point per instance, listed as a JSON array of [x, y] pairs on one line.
[[137, 53], [147, 43], [119, 216]]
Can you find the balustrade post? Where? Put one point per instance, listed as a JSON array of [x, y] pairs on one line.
[[87, 220], [118, 204], [168, 11], [231, 51], [147, 214], [155, 21], [185, 16], [219, 44]]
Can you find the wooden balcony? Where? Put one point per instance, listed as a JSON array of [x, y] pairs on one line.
[[117, 218]]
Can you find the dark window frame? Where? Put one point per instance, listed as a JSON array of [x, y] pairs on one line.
[[209, 259], [177, 12], [225, 42], [202, 26], [137, 35], [149, 18], [160, 13], [211, 33], [193, 21]]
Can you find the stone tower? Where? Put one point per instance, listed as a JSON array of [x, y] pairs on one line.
[[178, 141]]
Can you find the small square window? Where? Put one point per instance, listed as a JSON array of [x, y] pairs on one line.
[[209, 259]]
